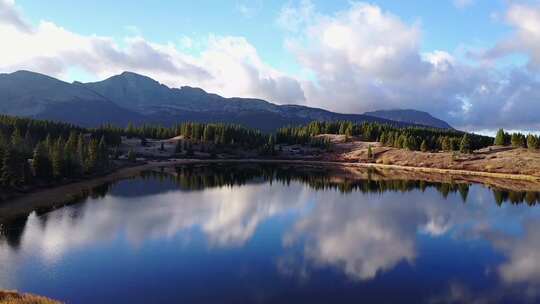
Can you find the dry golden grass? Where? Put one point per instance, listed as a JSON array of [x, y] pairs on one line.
[[12, 297], [503, 160]]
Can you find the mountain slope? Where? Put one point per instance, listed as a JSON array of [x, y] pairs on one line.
[[411, 116], [162, 104], [131, 97], [39, 96]]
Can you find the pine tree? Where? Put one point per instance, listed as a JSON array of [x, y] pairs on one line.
[[10, 172], [12, 175], [412, 143], [58, 159], [40, 162], [49, 144], [17, 141], [3, 148], [92, 156], [465, 145], [445, 144], [517, 140], [369, 152], [382, 139], [28, 142], [81, 154], [532, 142], [103, 154], [424, 146], [70, 156], [500, 138], [130, 130], [71, 143]]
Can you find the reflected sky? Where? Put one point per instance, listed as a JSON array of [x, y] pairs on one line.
[[265, 240]]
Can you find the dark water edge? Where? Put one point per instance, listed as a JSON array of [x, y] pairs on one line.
[[199, 176], [265, 233]]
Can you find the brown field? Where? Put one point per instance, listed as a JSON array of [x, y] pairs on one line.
[[503, 160], [13, 297]]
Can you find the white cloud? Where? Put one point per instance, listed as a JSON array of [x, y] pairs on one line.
[[365, 58], [359, 59], [9, 15], [229, 65], [525, 20]]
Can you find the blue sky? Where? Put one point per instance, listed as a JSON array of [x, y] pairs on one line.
[[474, 63], [445, 25]]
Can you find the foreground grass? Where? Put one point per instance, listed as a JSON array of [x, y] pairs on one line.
[[12, 297]]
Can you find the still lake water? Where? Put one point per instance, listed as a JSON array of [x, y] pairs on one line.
[[268, 234]]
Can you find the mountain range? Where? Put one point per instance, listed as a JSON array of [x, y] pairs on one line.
[[130, 97]]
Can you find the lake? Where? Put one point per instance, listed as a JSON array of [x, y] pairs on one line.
[[278, 234]]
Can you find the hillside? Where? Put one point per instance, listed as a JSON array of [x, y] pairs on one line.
[[411, 116], [131, 97]]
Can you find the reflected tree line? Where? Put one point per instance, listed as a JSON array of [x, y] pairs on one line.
[[196, 177], [199, 177], [11, 230]]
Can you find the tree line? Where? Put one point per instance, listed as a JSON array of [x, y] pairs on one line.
[[37, 152], [411, 138], [217, 133], [517, 140]]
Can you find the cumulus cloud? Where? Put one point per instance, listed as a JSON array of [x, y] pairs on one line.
[[9, 15], [359, 59], [365, 58], [525, 19], [228, 65]]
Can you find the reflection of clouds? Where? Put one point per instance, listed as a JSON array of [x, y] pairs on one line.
[[361, 237], [523, 252], [7, 260], [360, 234], [228, 217], [364, 234], [236, 214], [438, 225]]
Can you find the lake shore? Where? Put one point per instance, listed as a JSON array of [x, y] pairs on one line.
[[13, 297], [58, 196]]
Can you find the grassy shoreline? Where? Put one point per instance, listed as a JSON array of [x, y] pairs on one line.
[[14, 297]]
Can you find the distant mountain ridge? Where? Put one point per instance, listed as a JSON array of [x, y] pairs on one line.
[[130, 97], [411, 116]]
